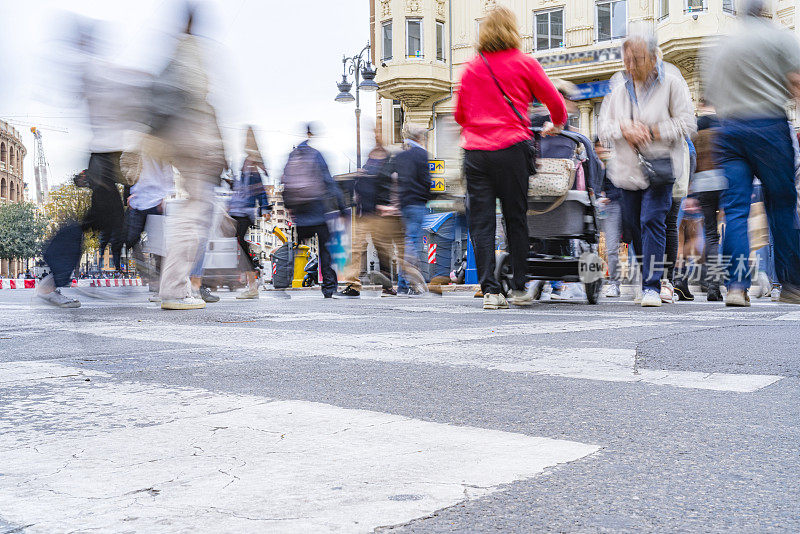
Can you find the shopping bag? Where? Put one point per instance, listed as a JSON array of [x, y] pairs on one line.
[[757, 226]]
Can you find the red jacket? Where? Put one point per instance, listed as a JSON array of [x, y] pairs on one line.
[[487, 120]]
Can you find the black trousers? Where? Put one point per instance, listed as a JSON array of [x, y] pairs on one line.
[[105, 215], [709, 203], [493, 174], [243, 224], [329, 282], [671, 250]]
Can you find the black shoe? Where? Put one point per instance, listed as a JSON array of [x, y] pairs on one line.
[[714, 294], [682, 289], [207, 296], [347, 293], [389, 292]]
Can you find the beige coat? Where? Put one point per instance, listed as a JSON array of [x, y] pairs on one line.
[[668, 107]]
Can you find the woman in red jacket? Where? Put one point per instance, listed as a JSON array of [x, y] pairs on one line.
[[495, 138]]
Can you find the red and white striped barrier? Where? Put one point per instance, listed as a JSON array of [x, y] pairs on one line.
[[432, 253], [20, 283]]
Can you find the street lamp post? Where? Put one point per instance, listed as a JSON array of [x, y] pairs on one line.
[[359, 67]]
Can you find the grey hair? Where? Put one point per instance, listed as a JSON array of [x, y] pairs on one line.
[[417, 133], [650, 41], [753, 8]]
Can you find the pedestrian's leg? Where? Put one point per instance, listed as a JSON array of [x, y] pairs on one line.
[[382, 238], [774, 161], [709, 204], [413, 217], [671, 248], [736, 203], [185, 232], [656, 203], [63, 254], [361, 227], [631, 218], [325, 260], [482, 219], [612, 230], [510, 176]]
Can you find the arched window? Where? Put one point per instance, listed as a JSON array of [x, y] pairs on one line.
[[3, 155], [3, 189], [13, 159], [12, 192], [20, 191]]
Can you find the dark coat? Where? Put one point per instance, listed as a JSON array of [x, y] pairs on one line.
[[413, 176], [313, 214]]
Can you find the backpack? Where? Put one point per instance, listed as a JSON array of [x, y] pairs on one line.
[[302, 181]]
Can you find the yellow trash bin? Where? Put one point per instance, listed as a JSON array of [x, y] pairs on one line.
[[300, 261]]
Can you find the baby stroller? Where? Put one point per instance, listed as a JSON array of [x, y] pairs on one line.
[[563, 230]]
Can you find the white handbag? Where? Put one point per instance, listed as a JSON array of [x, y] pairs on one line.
[[553, 178]]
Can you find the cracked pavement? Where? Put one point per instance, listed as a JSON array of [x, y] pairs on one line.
[[390, 415]]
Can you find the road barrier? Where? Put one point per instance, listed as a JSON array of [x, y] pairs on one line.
[[21, 283]]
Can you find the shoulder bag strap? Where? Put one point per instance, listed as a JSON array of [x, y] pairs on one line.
[[505, 96]]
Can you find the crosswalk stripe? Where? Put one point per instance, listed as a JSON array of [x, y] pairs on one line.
[[123, 456], [455, 347]]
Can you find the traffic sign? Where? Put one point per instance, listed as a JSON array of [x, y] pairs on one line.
[[436, 166], [437, 185]]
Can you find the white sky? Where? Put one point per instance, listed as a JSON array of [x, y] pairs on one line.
[[278, 60]]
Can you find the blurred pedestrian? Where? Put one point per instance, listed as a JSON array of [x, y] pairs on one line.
[[373, 189], [307, 189], [610, 208], [414, 183], [749, 77], [645, 119], [706, 189], [496, 89], [194, 145], [249, 202], [108, 105], [155, 184]]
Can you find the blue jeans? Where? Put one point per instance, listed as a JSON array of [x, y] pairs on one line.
[[645, 213], [760, 147], [413, 216]]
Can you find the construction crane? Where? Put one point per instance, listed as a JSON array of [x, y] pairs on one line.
[[40, 168]]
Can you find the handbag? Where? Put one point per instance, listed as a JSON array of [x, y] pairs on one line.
[[658, 171], [530, 144]]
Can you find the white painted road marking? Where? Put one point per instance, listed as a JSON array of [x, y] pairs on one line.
[[139, 457], [453, 347]]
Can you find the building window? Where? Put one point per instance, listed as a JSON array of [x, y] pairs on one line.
[[414, 39], [397, 121], [663, 9], [574, 121], [692, 6], [386, 39], [612, 20], [729, 6], [549, 26], [440, 41]]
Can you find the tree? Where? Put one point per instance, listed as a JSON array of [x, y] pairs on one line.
[[68, 203], [22, 231]]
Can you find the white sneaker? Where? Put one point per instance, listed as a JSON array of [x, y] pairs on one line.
[[248, 293], [494, 301], [55, 298], [154, 297], [637, 295], [667, 292], [520, 297], [187, 303], [612, 291], [651, 299], [764, 286], [775, 293]]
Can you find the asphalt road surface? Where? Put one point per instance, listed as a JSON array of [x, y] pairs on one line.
[[297, 414]]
